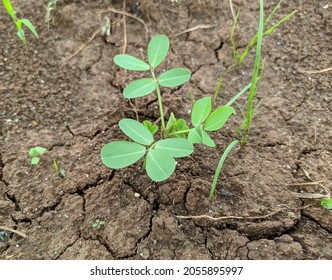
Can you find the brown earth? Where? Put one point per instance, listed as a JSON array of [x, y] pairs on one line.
[[72, 108]]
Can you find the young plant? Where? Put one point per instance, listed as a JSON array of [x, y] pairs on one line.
[[35, 154], [240, 58], [58, 171], [254, 81], [98, 224], [19, 22], [51, 5], [177, 138], [157, 52], [326, 203]]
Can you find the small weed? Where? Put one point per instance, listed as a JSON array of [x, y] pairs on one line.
[[98, 224], [35, 154], [58, 171], [19, 22], [51, 5], [240, 58]]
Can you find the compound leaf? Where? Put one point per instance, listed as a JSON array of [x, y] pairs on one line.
[[159, 165], [218, 118], [326, 203], [136, 131], [201, 110], [174, 77], [157, 50], [130, 62], [119, 154], [175, 147], [139, 88]]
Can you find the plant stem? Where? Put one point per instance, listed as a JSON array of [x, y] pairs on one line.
[[181, 131], [253, 88], [160, 103]]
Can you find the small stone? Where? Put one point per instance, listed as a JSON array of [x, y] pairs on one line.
[[137, 195]]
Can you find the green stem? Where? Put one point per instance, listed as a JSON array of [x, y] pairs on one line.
[[253, 88], [181, 131], [160, 103]]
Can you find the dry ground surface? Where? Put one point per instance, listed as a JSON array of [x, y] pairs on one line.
[[72, 108]]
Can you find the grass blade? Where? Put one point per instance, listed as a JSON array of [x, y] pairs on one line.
[[253, 88], [230, 102], [235, 52], [267, 32], [9, 9], [219, 167], [28, 24]]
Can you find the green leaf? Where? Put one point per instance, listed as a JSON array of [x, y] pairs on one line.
[[139, 88], [157, 50], [9, 8], [153, 128], [180, 125], [326, 203], [35, 160], [171, 122], [174, 77], [136, 131], [195, 135], [207, 140], [37, 151], [130, 62], [159, 165], [201, 110], [119, 154], [218, 118], [20, 34], [219, 167], [175, 147], [28, 24]]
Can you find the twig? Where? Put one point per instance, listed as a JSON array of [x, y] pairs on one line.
[[314, 71], [127, 14], [124, 30], [232, 9], [200, 26], [315, 183], [243, 217], [14, 231], [83, 46], [310, 195], [305, 183], [134, 109]]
